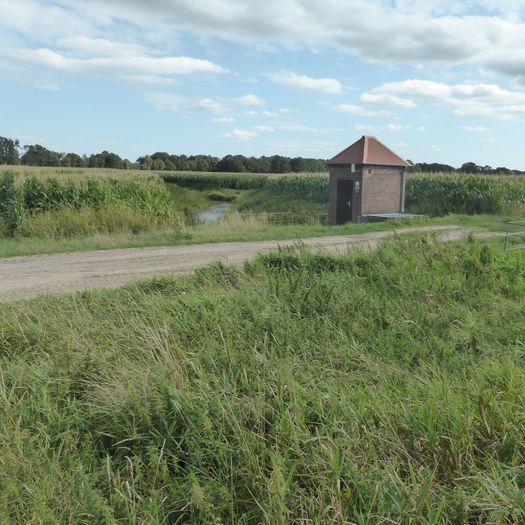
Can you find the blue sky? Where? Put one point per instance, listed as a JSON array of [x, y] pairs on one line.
[[437, 80]]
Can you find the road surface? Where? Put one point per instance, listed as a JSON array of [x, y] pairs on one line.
[[31, 276]]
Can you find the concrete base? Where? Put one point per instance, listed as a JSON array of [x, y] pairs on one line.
[[377, 217]]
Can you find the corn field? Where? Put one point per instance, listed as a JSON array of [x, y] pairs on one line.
[[469, 194], [308, 185], [22, 198]]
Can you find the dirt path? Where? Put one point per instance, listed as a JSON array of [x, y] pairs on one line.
[[24, 277]]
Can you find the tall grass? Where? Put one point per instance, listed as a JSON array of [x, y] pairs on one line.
[[312, 185], [24, 200], [471, 194], [370, 388]]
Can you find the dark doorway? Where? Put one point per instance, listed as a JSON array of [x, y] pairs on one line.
[[345, 201]]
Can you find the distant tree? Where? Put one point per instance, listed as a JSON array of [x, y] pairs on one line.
[[298, 165], [280, 164], [205, 163], [95, 161], [470, 167], [164, 158], [158, 164], [145, 162], [127, 165], [37, 155], [231, 163], [9, 151], [72, 160], [112, 160], [434, 167]]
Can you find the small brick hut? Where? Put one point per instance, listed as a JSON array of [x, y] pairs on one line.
[[366, 178]]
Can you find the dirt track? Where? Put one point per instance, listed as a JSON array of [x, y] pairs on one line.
[[25, 277]]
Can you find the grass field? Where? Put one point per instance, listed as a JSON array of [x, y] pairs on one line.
[[385, 387]]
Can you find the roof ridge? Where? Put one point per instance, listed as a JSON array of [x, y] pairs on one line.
[[365, 147], [368, 150]]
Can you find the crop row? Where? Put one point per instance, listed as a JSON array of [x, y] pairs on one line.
[[312, 186], [21, 198], [470, 194]]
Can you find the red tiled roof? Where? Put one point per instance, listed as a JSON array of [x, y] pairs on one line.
[[368, 150]]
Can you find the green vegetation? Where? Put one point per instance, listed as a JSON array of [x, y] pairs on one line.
[[235, 227], [439, 194], [370, 388], [56, 208], [207, 181], [264, 207]]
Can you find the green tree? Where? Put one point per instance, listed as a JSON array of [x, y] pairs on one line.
[[9, 151], [72, 160], [470, 167], [280, 164], [112, 160], [145, 162], [158, 164], [37, 155]]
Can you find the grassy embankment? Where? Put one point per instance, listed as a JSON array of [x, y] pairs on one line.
[[258, 200], [369, 388]]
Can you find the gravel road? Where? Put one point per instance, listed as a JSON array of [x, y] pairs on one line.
[[26, 277]]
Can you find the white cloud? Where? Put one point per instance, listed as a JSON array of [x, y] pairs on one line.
[[171, 102], [240, 134], [223, 119], [100, 46], [150, 80], [387, 100], [263, 129], [488, 34], [251, 100], [467, 100], [368, 128], [475, 129], [138, 64], [248, 134], [294, 80], [358, 110], [267, 113]]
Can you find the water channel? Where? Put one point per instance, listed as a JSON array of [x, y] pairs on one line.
[[213, 214]]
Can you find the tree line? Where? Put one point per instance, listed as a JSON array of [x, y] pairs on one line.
[[12, 153], [467, 167]]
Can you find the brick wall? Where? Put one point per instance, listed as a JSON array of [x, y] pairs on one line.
[[382, 190]]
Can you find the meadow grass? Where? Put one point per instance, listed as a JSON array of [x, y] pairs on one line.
[[234, 227], [383, 387]]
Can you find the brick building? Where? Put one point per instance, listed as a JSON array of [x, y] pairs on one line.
[[366, 178]]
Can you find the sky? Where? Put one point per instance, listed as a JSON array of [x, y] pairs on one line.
[[436, 80]]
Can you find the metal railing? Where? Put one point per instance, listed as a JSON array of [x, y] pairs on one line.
[[511, 233]]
